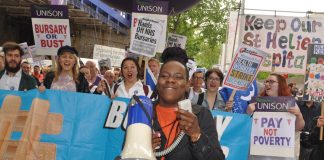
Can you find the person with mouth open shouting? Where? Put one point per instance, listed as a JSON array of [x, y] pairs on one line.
[[275, 85], [66, 76], [131, 84]]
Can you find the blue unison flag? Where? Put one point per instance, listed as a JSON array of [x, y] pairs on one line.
[[241, 98], [150, 79]]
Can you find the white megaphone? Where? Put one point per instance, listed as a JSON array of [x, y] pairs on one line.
[[138, 144]]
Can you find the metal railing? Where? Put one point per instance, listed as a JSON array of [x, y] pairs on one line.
[[93, 13]]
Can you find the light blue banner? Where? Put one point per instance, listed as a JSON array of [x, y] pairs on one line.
[[93, 128], [82, 135], [234, 132]]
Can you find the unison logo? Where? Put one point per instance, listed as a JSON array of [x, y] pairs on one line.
[[49, 13], [151, 9]]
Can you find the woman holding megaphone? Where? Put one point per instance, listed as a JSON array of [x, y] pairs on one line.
[[193, 130]]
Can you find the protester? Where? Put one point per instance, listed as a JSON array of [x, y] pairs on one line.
[[309, 110], [110, 77], [131, 84], [86, 71], [293, 89], [1, 60], [12, 77], [317, 152], [211, 97], [200, 141], [276, 85], [197, 81], [37, 74], [95, 76], [117, 75], [154, 65], [66, 75], [26, 67]]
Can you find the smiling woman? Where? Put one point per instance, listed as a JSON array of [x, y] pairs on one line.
[[66, 75]]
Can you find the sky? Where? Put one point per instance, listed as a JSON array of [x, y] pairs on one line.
[[285, 5]]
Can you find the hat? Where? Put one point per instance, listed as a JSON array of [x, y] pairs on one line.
[[67, 49], [105, 63]]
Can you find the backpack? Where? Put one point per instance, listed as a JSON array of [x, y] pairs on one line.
[[145, 88]]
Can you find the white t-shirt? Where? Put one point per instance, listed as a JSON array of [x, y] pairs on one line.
[[10, 83], [192, 93], [137, 89]]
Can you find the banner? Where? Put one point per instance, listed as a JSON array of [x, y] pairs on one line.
[[234, 132], [285, 39], [148, 27], [175, 40], [79, 126], [50, 27], [54, 125], [314, 76], [273, 129], [116, 55], [244, 68]]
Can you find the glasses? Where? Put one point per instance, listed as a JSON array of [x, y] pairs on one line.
[[176, 76], [213, 79], [198, 78], [271, 82]]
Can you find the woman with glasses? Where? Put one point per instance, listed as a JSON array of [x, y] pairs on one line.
[[275, 85], [211, 97], [200, 141]]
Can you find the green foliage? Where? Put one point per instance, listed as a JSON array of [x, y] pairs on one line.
[[262, 75], [205, 27]]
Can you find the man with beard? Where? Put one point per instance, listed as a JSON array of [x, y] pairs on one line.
[[12, 77]]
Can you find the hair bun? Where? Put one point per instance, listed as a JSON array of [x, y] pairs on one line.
[[174, 53]]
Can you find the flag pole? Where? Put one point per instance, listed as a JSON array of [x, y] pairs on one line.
[[321, 129]]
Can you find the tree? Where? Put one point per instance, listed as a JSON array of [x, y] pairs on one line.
[[205, 27]]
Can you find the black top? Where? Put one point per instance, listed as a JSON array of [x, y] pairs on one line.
[[309, 113], [206, 148]]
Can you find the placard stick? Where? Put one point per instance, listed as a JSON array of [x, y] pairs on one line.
[[146, 59], [140, 60], [231, 99], [53, 61], [321, 129]]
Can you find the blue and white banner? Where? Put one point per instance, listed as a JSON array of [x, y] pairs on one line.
[[76, 126]]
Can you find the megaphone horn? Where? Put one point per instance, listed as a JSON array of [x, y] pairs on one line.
[[138, 144]]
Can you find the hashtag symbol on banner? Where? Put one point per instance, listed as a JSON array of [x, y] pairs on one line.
[[32, 124]]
